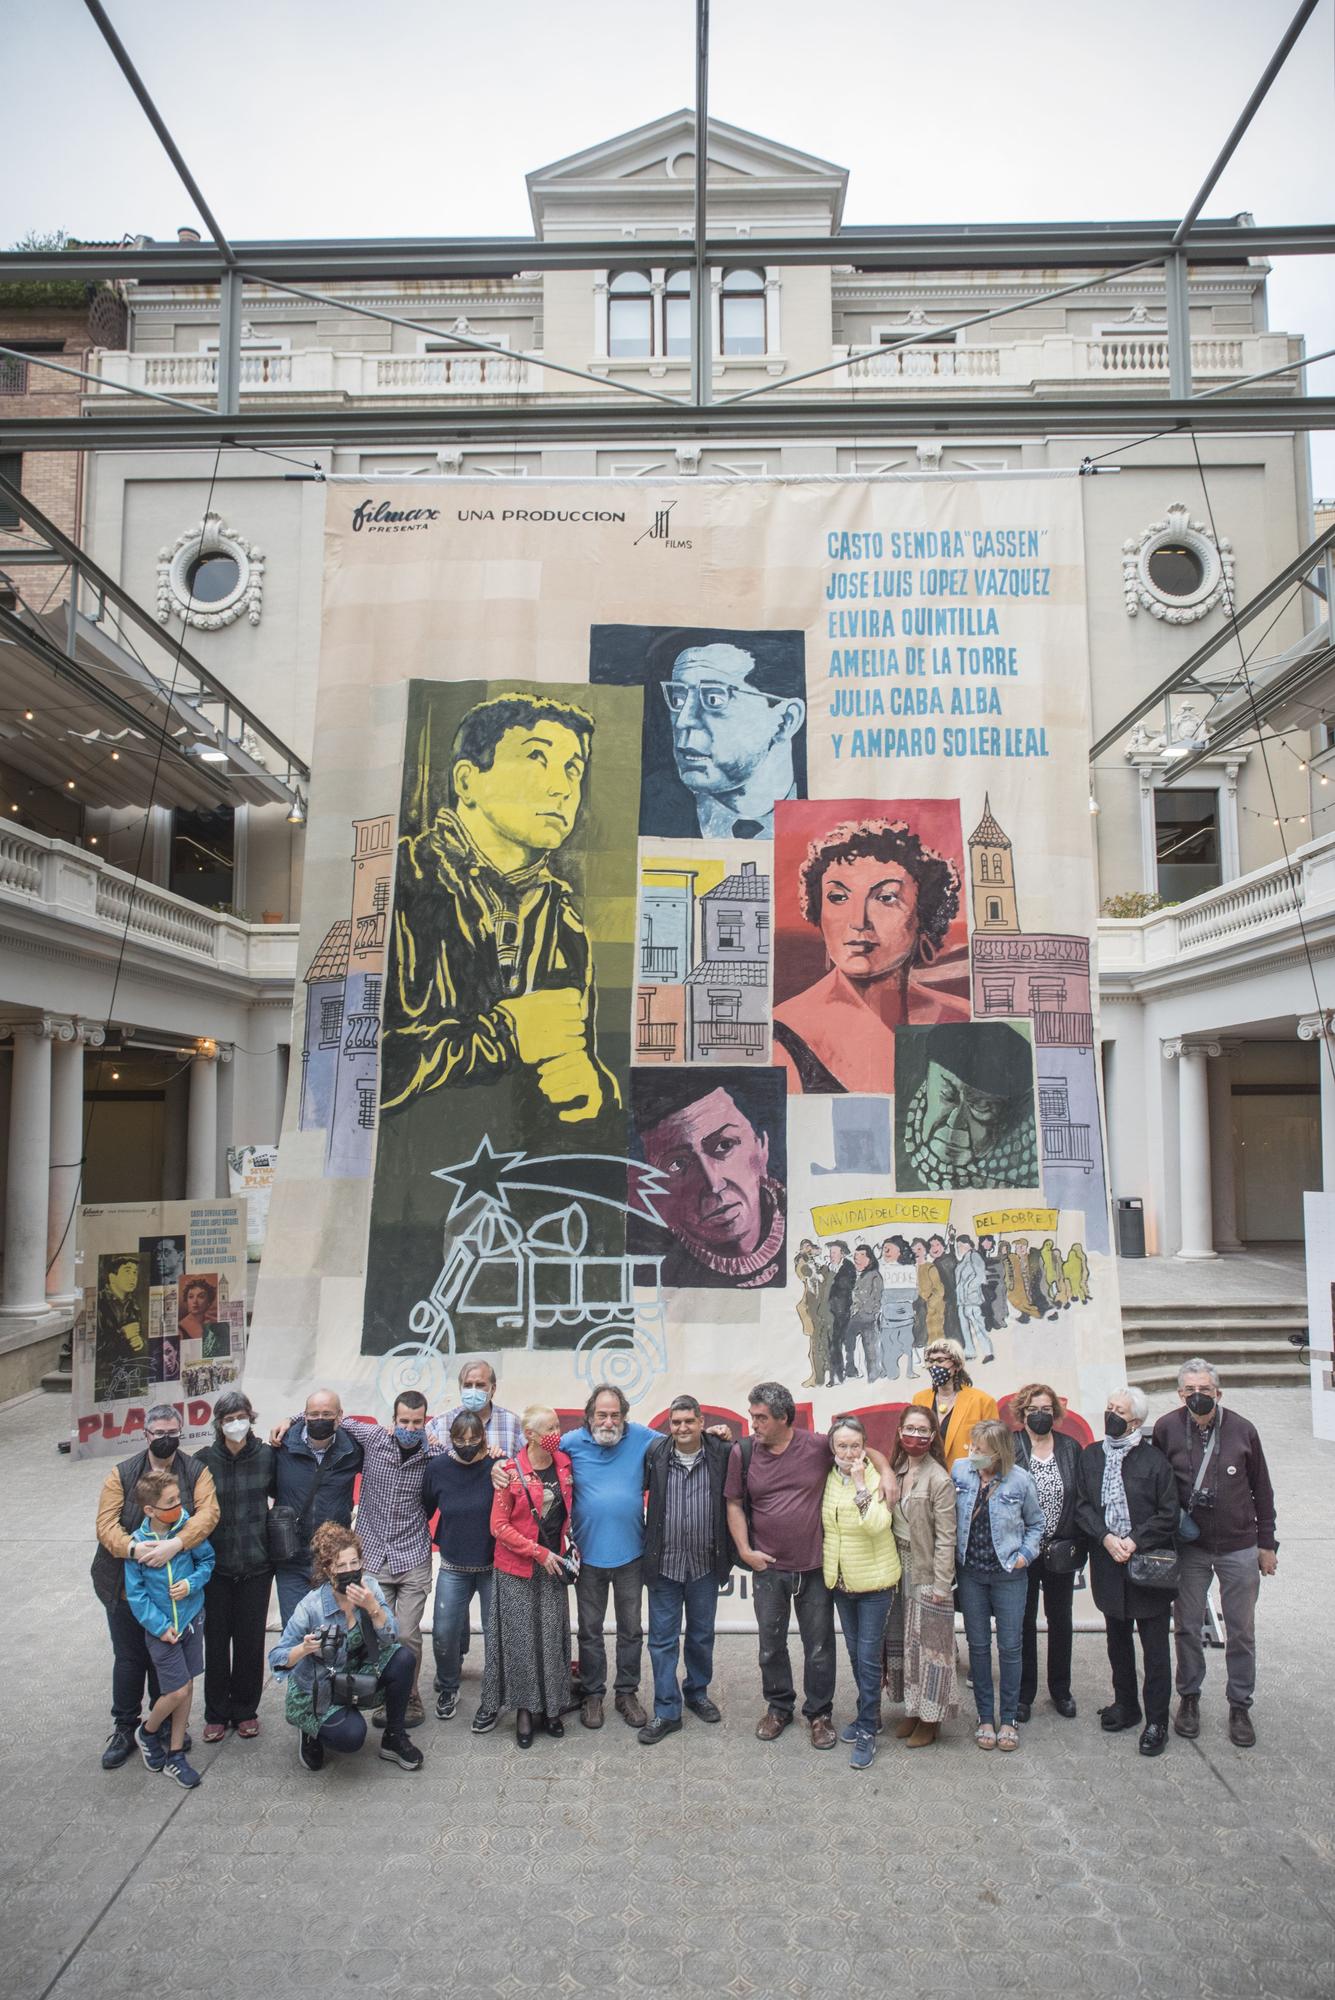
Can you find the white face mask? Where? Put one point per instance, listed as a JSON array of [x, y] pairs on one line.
[[236, 1427]]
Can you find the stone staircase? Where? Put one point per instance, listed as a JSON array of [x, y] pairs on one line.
[[1250, 1345]]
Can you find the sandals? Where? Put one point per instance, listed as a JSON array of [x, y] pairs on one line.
[[1008, 1737], [248, 1729], [985, 1736]]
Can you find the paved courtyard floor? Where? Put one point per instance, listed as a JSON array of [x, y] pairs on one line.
[[713, 1864]]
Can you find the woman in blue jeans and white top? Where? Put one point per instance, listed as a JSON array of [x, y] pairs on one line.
[[998, 1533]]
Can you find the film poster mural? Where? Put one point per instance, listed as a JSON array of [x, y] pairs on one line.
[[162, 1317], [696, 963]]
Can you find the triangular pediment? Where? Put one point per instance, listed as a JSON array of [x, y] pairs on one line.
[[658, 160]]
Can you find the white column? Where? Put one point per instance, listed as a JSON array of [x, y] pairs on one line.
[[1320, 1028], [1223, 1186], [24, 1295], [65, 1180], [1193, 1117], [201, 1146]]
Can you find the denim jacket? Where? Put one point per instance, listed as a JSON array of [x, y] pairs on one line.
[[318, 1608], [1014, 1511]]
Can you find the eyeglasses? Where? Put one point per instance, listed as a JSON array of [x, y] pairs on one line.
[[714, 697]]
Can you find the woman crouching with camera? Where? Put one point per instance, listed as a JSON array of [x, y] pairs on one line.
[[528, 1624], [339, 1654]]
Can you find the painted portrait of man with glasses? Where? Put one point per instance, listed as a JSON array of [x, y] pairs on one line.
[[725, 738]]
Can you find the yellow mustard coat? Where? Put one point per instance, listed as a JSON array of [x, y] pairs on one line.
[[972, 1406], [860, 1551]]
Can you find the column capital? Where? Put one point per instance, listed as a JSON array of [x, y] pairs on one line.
[[1182, 1046], [1317, 1027], [45, 1027], [92, 1034]]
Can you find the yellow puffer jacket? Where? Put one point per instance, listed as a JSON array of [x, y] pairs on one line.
[[860, 1552]]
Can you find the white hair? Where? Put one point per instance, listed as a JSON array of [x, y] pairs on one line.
[[1138, 1400], [1198, 1366]]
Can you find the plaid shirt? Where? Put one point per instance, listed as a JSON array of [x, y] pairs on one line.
[[504, 1431], [390, 1522], [244, 1485]]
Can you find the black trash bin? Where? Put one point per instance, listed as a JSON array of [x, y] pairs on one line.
[[1130, 1226]]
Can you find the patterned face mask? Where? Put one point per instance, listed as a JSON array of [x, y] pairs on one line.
[[940, 1375]]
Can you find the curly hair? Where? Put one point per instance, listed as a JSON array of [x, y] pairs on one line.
[[1022, 1398], [884, 840], [329, 1541]]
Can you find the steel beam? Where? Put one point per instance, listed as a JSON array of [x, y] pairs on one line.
[[702, 371], [1178, 314], [1184, 675], [229, 344], [897, 416], [452, 259], [156, 120]]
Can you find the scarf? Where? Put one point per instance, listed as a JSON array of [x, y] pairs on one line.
[[1115, 1510], [1011, 1163]]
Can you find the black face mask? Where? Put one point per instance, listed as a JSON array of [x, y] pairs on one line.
[[1040, 1422], [1201, 1404], [320, 1428], [165, 1447], [345, 1577], [468, 1452], [1114, 1426]]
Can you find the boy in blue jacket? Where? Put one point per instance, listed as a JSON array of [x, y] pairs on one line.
[[169, 1603]]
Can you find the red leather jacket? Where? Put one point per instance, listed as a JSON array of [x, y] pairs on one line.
[[515, 1510]]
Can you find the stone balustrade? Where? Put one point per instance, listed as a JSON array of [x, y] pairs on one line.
[[1253, 916], [312, 373]]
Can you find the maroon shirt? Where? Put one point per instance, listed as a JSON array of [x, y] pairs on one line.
[[785, 1490]]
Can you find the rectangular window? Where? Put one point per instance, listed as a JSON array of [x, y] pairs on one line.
[[366, 1106], [11, 468], [331, 1021], [743, 324], [1186, 843], [380, 894], [371, 993], [730, 930]]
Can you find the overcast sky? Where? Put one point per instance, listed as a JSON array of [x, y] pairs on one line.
[[421, 117]]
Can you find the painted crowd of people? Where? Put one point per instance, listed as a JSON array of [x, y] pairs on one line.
[[871, 1310], [964, 1511]]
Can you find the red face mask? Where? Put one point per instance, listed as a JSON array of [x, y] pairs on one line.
[[550, 1441], [168, 1517], [916, 1447]]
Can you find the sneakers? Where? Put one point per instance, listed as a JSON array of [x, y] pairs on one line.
[[310, 1750], [485, 1719], [416, 1713], [446, 1706], [400, 1750], [185, 1774], [151, 1747], [864, 1749], [661, 1726], [119, 1745]]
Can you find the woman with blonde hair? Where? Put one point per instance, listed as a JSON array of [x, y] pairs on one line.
[[998, 1533], [952, 1398], [861, 1570], [528, 1626], [920, 1632]]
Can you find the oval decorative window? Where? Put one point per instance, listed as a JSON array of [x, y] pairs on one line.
[[210, 577], [1176, 570]]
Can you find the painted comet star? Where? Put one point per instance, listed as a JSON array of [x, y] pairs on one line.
[[489, 1176]]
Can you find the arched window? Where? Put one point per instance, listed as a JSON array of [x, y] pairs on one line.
[[630, 315], [742, 306], [677, 313]]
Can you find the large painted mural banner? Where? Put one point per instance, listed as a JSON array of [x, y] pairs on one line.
[[696, 960]]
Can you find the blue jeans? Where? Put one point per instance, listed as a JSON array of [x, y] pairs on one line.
[[984, 1595], [667, 1601], [449, 1620], [862, 1614], [292, 1582], [346, 1732]]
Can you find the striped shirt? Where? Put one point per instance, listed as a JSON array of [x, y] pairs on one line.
[[504, 1431], [688, 1519], [391, 1524]]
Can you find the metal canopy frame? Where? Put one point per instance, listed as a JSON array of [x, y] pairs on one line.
[[217, 717]]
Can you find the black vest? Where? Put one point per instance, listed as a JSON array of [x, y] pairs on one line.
[[108, 1571]]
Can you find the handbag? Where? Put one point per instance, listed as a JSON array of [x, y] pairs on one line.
[[281, 1536], [1155, 1569], [1064, 1555]]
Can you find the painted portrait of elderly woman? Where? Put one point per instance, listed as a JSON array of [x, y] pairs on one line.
[[877, 893]]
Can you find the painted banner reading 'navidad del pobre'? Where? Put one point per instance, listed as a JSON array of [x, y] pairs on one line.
[[695, 978]]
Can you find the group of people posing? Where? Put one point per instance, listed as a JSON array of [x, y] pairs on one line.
[[884, 1307], [964, 1510]]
